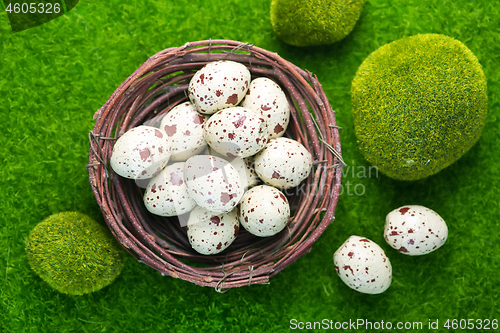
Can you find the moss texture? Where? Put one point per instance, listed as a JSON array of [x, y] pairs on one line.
[[314, 22], [419, 103], [73, 253]]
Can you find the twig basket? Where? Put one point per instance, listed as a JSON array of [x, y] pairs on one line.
[[161, 243]]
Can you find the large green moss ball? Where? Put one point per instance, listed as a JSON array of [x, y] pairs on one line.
[[419, 103], [74, 254], [314, 22]]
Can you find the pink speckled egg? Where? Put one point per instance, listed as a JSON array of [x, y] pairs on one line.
[[283, 163], [415, 230], [363, 266], [218, 85], [184, 126], [266, 97], [140, 153], [166, 193], [264, 211], [211, 233], [213, 183], [236, 132]]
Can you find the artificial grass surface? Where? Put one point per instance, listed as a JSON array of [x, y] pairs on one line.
[[55, 76]]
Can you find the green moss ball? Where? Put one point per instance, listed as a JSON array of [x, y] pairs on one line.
[[314, 22], [419, 103], [74, 254]]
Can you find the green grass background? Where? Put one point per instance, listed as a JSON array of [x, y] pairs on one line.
[[55, 76]]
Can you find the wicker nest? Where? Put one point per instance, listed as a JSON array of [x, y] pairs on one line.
[[161, 243]]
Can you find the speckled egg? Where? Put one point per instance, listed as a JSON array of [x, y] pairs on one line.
[[363, 266], [264, 211], [236, 131], [245, 167], [283, 163], [415, 230], [266, 97], [184, 126], [218, 85], [213, 183], [249, 171], [166, 193], [140, 153], [211, 233]]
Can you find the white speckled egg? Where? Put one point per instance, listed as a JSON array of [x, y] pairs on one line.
[[363, 265], [264, 211], [166, 193], [249, 171], [140, 153], [266, 97], [415, 230], [213, 183], [219, 85], [236, 132], [184, 126], [283, 163], [245, 167], [211, 233]]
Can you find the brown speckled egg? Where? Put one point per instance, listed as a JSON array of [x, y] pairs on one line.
[[415, 230], [363, 265], [283, 163], [266, 97], [213, 183], [236, 132], [140, 153], [211, 233], [166, 193], [245, 167], [184, 126], [264, 211], [249, 171], [218, 85]]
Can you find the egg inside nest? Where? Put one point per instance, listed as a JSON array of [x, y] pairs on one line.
[[225, 144]]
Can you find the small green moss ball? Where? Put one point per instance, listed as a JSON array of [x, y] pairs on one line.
[[419, 103], [74, 254], [314, 22]]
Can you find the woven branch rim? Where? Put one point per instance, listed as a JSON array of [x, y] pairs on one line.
[[156, 87]]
